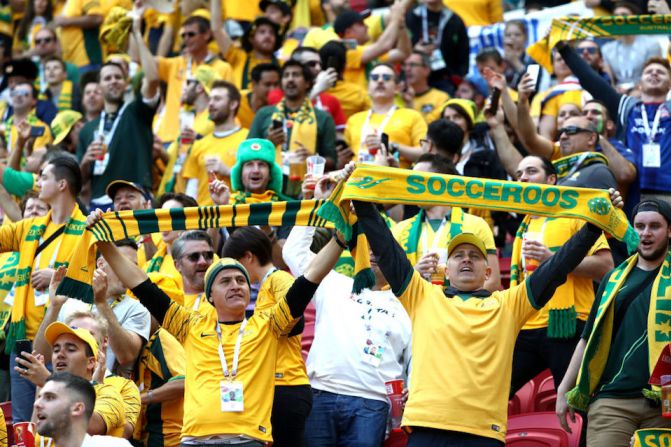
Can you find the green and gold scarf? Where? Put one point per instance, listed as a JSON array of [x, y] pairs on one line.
[[301, 124]]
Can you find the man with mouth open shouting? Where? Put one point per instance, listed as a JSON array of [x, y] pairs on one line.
[[464, 335]]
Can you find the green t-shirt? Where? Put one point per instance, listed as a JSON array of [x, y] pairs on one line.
[[130, 150], [326, 131], [627, 371], [18, 183]]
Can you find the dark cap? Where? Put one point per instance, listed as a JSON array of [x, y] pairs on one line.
[[284, 5], [347, 19], [260, 21], [114, 186], [21, 67], [659, 206]]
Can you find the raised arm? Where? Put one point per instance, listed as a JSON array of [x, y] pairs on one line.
[[51, 315], [388, 39], [222, 38], [590, 80], [623, 170], [508, 154], [526, 128], [150, 82]]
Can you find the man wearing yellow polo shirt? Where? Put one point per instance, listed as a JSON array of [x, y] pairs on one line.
[[464, 401], [418, 94], [405, 127], [259, 42], [230, 368], [215, 152], [176, 71], [79, 24]]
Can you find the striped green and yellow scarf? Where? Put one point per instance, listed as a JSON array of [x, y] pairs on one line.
[[598, 345], [410, 235], [129, 224], [565, 165], [302, 125], [576, 28], [72, 235]]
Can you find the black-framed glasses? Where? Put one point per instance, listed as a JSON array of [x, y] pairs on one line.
[[45, 40], [188, 34], [590, 50], [386, 77], [573, 130], [194, 257]]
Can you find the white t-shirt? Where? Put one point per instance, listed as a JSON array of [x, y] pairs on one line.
[[104, 441], [361, 341]]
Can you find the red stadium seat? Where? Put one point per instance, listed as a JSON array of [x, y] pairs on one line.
[[523, 400], [546, 395], [397, 438], [541, 430], [7, 412]]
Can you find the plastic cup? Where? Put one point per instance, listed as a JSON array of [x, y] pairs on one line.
[[666, 396], [531, 264], [24, 434], [395, 394], [315, 165]]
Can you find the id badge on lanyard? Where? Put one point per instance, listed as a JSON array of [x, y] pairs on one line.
[[231, 390], [652, 157]]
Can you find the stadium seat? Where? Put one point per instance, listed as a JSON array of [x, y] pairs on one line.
[[397, 438], [523, 400], [541, 430], [546, 396], [7, 412]]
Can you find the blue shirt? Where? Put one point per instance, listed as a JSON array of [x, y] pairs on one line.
[[651, 179]]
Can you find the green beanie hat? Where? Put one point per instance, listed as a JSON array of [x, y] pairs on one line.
[[216, 267], [257, 149]]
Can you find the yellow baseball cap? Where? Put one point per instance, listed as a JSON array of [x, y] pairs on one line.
[[466, 238], [63, 123], [55, 330], [206, 75]]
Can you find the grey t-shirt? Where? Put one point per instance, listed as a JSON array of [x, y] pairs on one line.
[[130, 314], [596, 175]]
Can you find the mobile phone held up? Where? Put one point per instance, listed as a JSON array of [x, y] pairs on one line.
[[23, 346], [534, 70]]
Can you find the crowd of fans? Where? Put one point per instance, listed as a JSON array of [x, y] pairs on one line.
[[194, 337]]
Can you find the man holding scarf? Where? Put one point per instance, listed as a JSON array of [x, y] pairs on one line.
[[625, 333], [294, 125], [439, 411], [43, 244]]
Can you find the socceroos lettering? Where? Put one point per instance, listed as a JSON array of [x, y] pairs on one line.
[[493, 190]]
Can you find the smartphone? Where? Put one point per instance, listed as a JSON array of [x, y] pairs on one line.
[[277, 124], [36, 131], [23, 346], [384, 139], [534, 70], [332, 62], [494, 101]]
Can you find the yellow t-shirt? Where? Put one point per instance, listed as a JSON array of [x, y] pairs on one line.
[[245, 113], [353, 98], [477, 12], [141, 254], [173, 71], [471, 224], [226, 148], [317, 37], [162, 360], [462, 351], [556, 232], [239, 10], [290, 366], [72, 37], [429, 102], [243, 63], [549, 101], [204, 374], [130, 395], [406, 126]]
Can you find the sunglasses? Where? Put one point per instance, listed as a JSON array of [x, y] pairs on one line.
[[572, 130], [15, 93], [194, 257], [45, 40], [386, 77], [313, 64], [590, 50], [188, 34]]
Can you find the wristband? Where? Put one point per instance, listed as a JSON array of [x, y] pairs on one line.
[[339, 242]]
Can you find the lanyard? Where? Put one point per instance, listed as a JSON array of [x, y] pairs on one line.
[[270, 272], [651, 133], [196, 303], [236, 353], [425, 25], [436, 239], [387, 117], [101, 125]]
